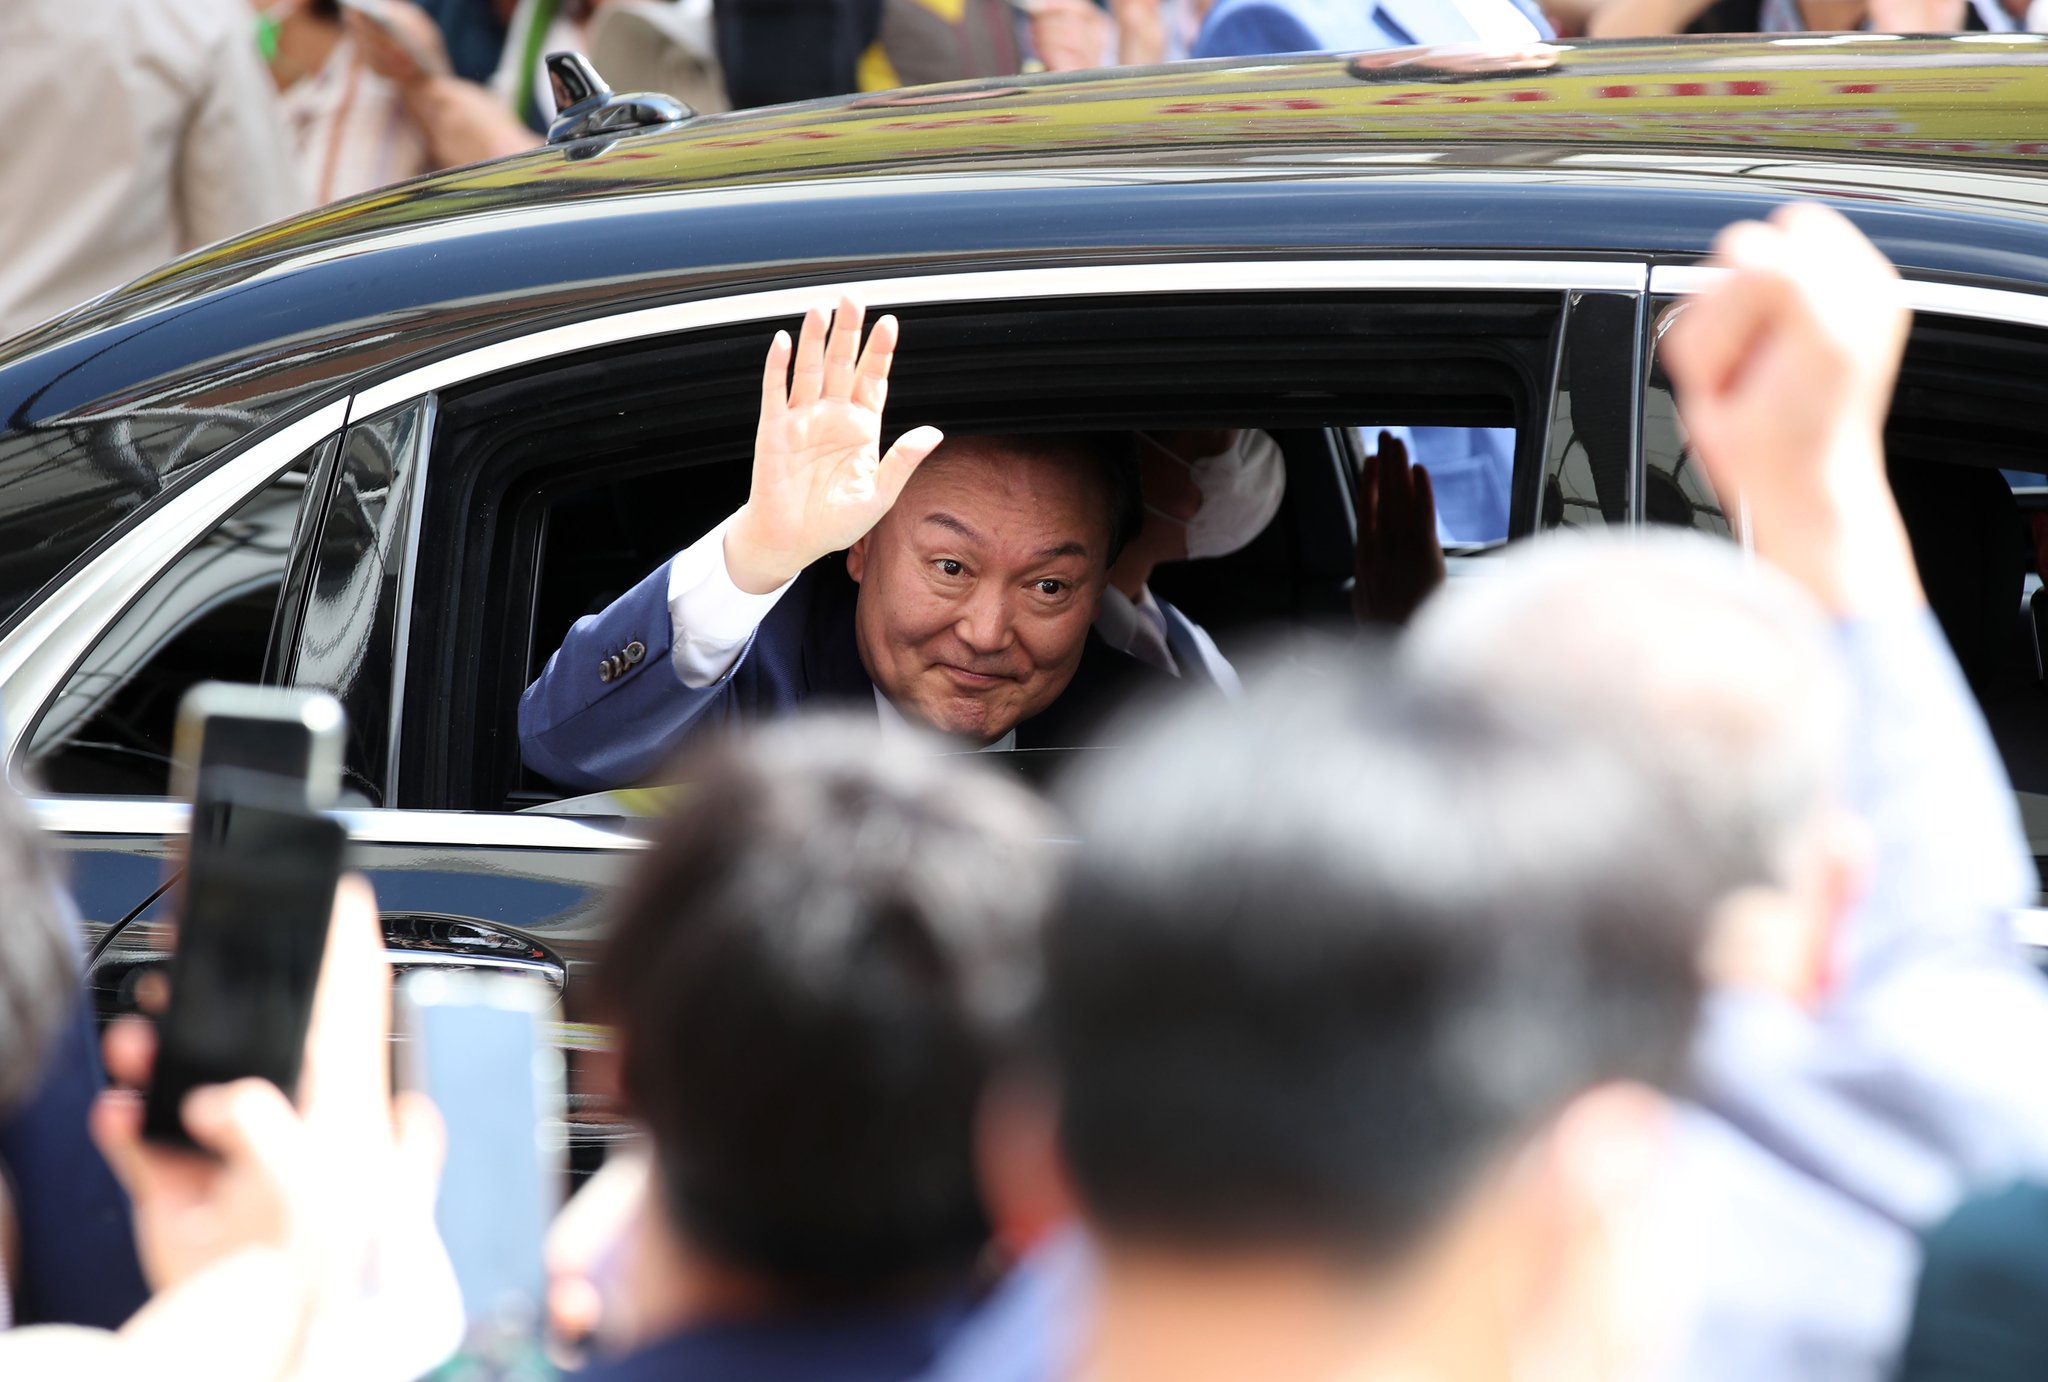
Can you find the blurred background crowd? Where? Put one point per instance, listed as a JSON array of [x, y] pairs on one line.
[[227, 114]]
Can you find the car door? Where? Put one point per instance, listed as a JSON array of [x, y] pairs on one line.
[[410, 584]]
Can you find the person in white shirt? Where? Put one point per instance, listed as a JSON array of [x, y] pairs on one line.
[[142, 129], [1208, 492]]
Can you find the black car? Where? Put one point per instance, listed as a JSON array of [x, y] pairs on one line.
[[395, 447]]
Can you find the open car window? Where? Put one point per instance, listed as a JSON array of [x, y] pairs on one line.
[[559, 486]]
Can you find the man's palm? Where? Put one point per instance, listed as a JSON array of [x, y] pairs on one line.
[[820, 479]]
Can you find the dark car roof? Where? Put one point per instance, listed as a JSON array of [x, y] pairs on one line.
[[1890, 109], [1937, 146]]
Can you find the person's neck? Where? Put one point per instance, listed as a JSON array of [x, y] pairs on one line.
[[667, 1287], [1226, 1319], [304, 44]]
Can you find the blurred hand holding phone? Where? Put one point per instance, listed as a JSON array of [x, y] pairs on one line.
[[279, 974], [473, 1044]]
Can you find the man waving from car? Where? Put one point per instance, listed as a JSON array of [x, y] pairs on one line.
[[972, 571]]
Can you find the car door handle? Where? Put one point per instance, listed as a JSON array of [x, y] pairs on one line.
[[431, 940]]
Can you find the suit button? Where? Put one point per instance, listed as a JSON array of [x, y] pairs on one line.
[[604, 670], [635, 651]]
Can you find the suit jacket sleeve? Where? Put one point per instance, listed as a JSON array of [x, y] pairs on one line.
[[585, 730]]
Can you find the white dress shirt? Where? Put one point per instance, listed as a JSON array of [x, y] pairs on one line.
[[710, 620], [1136, 627]]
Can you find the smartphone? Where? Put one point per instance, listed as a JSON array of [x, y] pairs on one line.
[[282, 737], [474, 1043], [261, 866]]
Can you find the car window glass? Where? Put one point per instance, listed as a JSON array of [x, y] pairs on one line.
[[1587, 469], [208, 617], [349, 639]]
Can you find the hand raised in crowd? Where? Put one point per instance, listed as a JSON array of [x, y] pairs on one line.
[[820, 481], [324, 1187], [1784, 370], [405, 48], [1399, 561]]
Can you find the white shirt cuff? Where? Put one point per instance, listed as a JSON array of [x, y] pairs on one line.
[[710, 619]]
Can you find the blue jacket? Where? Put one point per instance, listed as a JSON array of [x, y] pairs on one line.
[[77, 1240], [1255, 28], [586, 725], [859, 1347]]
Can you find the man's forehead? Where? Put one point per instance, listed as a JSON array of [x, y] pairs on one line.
[[1008, 495]]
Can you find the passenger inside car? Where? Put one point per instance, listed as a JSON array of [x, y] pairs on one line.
[[963, 603], [973, 569]]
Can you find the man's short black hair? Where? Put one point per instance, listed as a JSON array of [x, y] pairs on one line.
[[1328, 953], [830, 942], [39, 987]]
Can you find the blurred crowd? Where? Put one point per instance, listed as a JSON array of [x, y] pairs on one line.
[[1605, 975], [210, 117]]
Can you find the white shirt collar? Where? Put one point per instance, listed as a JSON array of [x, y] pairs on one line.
[[1136, 627], [893, 723]]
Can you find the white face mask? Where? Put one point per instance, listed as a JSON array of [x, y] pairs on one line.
[[1240, 488]]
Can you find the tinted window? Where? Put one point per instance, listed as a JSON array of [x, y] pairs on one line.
[[348, 638], [208, 617], [64, 487]]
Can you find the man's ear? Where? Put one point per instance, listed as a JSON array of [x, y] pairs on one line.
[[857, 559], [1024, 1186]]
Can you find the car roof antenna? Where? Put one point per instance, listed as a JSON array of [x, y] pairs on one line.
[[590, 110]]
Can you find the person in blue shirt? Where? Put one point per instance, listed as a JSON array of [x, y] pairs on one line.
[[1258, 28], [831, 946]]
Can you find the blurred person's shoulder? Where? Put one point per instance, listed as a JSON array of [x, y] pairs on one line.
[[172, 38], [62, 1350]]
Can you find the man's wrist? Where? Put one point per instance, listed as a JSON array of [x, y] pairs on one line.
[[755, 567]]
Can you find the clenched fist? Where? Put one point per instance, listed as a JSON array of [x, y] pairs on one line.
[[1784, 370]]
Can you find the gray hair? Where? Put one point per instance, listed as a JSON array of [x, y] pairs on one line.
[[1712, 671]]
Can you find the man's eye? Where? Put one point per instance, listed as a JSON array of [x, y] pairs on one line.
[[1051, 587], [948, 567]]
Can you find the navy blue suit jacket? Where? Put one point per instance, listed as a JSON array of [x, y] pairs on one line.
[[859, 1346], [586, 726], [78, 1260]]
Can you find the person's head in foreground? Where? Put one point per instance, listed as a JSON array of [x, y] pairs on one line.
[[1360, 1016], [1710, 673], [829, 947]]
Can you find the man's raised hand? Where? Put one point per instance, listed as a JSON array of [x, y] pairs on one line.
[[820, 481], [1784, 371]]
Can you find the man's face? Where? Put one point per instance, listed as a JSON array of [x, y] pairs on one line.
[[977, 588]]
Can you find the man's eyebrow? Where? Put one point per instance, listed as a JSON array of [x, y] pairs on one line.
[[953, 525]]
